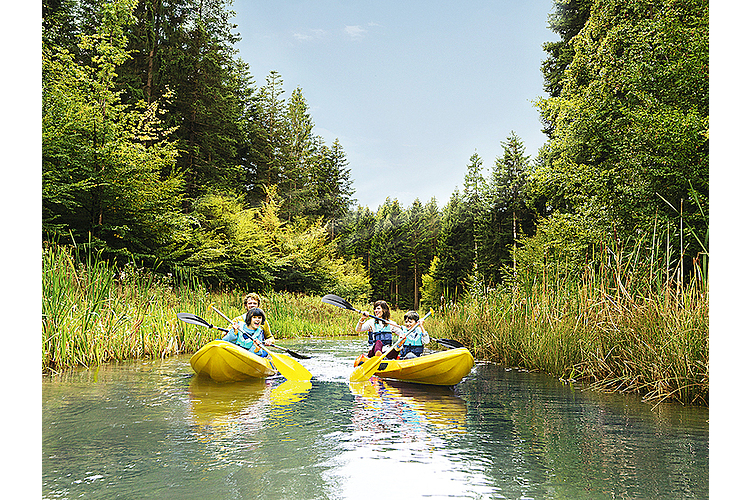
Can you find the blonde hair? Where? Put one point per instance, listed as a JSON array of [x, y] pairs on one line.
[[251, 295]]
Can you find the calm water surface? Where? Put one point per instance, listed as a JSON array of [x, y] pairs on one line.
[[150, 429]]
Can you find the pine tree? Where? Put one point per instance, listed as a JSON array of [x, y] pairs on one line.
[[455, 249], [475, 195], [387, 251], [297, 165], [509, 206]]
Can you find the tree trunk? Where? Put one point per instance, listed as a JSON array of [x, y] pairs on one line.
[[416, 287], [514, 242]]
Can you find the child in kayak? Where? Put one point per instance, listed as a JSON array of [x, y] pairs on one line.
[[416, 339], [379, 330], [249, 328]]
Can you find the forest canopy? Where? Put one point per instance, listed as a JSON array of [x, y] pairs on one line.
[[160, 148]]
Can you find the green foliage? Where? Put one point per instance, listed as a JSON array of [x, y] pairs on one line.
[[430, 289], [151, 132], [630, 123], [560, 249], [567, 20], [230, 245], [254, 248], [107, 167]]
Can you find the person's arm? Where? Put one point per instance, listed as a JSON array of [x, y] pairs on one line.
[[425, 337], [363, 325], [267, 335]]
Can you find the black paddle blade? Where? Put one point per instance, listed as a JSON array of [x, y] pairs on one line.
[[449, 343], [197, 320], [293, 354], [337, 301], [193, 319]]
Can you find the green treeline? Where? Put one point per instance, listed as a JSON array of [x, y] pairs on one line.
[[160, 148], [161, 151]]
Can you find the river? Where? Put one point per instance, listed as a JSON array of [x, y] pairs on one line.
[[151, 429]]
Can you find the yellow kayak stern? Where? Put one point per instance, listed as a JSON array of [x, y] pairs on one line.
[[439, 368]]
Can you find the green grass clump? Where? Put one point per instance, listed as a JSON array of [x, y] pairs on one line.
[[620, 328], [93, 313]]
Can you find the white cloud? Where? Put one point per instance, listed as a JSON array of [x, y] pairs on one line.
[[314, 34], [356, 32]]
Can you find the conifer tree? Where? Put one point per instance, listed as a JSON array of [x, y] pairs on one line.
[[107, 167], [509, 212], [455, 249]]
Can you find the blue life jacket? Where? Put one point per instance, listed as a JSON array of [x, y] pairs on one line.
[[382, 333], [245, 338], [414, 338]]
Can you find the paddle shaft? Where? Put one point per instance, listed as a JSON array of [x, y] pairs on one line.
[[220, 313], [337, 301]]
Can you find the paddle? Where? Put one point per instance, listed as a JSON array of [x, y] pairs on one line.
[[369, 367], [289, 368], [337, 301], [292, 353], [449, 343]]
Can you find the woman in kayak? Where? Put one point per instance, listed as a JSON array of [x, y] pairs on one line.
[[379, 330], [416, 339], [251, 328]]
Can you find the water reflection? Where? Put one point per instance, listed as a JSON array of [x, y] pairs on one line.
[[215, 405], [427, 408], [546, 439], [228, 415], [397, 441], [152, 429]]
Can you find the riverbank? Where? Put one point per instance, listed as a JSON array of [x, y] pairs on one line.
[[93, 313], [653, 345]]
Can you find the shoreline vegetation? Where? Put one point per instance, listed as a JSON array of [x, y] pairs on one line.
[[606, 330]]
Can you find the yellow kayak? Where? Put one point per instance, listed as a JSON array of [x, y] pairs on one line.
[[439, 368], [227, 362]]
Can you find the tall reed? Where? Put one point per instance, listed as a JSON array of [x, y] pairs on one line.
[[625, 325], [93, 312]]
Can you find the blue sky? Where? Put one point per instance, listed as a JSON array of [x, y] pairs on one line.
[[410, 89]]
